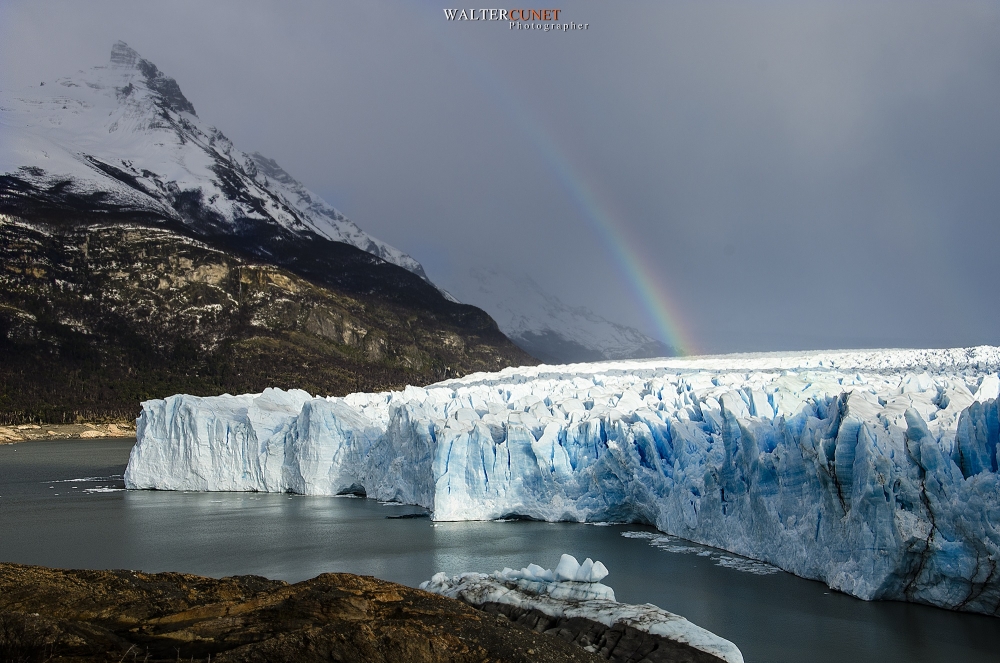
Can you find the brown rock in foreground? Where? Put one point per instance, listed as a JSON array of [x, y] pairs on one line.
[[619, 643], [72, 615]]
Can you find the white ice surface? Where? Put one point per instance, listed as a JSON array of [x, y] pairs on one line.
[[874, 471], [558, 595]]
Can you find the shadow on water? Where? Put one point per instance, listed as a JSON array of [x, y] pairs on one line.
[[62, 504]]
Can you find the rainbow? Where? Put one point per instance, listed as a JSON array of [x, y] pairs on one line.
[[610, 229], [649, 290]]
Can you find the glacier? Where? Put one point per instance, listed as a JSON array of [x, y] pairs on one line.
[[873, 471]]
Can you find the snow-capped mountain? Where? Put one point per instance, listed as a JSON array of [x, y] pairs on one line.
[[143, 253], [542, 325], [123, 137]]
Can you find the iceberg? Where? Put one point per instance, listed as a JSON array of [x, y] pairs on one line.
[[573, 600], [873, 471]]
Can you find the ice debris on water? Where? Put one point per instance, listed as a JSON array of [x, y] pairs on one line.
[[873, 471], [673, 544], [573, 590]]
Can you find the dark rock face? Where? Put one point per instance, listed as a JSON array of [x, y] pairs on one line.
[[552, 347], [96, 317], [83, 616], [166, 87], [123, 55], [619, 643]]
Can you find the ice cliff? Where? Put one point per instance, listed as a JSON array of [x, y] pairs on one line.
[[874, 471]]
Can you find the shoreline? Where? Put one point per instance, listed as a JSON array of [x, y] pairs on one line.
[[105, 615], [31, 432]]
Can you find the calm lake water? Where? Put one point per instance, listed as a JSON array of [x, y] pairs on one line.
[[62, 504]]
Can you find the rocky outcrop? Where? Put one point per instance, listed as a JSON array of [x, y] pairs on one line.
[[619, 643], [82, 616], [95, 318]]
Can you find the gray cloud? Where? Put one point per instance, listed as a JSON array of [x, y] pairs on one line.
[[796, 175]]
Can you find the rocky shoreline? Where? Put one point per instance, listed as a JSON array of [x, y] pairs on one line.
[[90, 616], [25, 432]]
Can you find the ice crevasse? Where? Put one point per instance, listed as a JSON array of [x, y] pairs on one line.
[[873, 471]]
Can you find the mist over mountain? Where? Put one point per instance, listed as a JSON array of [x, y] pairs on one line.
[[546, 328]]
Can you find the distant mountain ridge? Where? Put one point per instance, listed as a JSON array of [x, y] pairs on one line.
[[546, 328]]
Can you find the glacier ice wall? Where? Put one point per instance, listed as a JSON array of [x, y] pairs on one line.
[[873, 471]]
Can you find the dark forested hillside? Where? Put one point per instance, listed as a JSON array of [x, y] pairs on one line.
[[97, 316]]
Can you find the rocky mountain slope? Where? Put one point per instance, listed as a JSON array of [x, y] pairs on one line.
[[115, 616], [144, 255], [95, 318]]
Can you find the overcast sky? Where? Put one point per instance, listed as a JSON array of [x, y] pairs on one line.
[[789, 175]]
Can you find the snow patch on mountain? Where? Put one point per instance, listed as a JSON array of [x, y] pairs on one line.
[[546, 328], [125, 135]]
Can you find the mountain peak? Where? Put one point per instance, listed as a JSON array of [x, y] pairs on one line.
[[126, 133], [123, 55]]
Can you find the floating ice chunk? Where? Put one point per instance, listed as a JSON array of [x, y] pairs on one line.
[[567, 568], [592, 571], [571, 570], [531, 572], [570, 600], [570, 580], [535, 572]]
